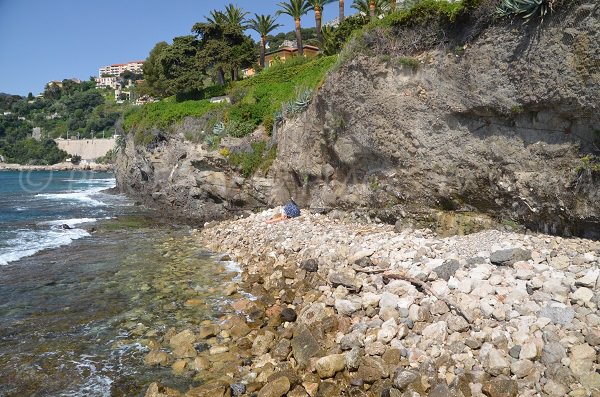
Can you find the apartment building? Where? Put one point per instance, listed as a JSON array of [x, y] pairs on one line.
[[118, 68]]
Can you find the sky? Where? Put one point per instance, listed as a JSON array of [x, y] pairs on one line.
[[45, 40]]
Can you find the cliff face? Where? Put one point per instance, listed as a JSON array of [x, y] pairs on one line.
[[184, 180], [499, 127]]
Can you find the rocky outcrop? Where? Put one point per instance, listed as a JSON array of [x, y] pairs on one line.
[[500, 126], [185, 180]]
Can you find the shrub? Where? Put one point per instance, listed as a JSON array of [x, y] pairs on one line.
[[412, 63], [268, 123], [165, 113], [76, 159], [258, 158], [527, 9]]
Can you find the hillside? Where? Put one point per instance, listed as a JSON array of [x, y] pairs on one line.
[[450, 112], [69, 110]]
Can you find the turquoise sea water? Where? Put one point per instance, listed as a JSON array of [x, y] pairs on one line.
[[78, 304]]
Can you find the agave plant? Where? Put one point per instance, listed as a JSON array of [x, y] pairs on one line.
[[298, 105], [525, 8]]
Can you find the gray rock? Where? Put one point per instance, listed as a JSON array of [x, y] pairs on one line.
[[288, 315], [522, 368], [447, 269], [310, 265], [507, 257], [440, 390], [558, 315], [364, 262], [593, 337], [304, 345], [237, 389], [345, 278], [514, 351], [282, 349], [403, 378], [352, 340], [497, 363], [346, 307], [553, 352], [353, 358]]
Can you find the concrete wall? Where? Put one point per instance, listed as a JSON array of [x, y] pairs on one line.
[[88, 149]]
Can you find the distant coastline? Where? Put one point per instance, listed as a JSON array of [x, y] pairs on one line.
[[65, 166]]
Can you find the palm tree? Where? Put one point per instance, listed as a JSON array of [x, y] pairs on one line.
[[232, 15], [295, 9], [370, 7], [235, 16], [216, 18], [263, 25], [317, 7], [341, 11]]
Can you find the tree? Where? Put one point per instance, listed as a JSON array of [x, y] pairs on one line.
[[335, 38], [295, 9], [223, 47], [235, 16], [341, 18], [52, 91], [263, 25], [154, 80], [178, 66], [373, 8], [317, 7]]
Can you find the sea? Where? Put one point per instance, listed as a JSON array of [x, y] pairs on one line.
[[89, 279]]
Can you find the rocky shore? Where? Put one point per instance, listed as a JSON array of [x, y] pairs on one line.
[[66, 166], [328, 306]]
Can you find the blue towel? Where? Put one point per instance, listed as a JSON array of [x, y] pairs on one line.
[[291, 210]]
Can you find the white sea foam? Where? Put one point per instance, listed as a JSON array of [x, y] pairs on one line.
[[70, 222], [96, 384], [29, 242], [82, 196]]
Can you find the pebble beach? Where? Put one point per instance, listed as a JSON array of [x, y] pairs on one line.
[[326, 305]]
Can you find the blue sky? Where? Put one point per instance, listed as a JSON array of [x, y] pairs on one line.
[[44, 40]]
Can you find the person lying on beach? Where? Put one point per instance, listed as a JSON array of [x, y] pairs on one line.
[[289, 210]]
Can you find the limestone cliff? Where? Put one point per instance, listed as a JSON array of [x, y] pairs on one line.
[[501, 125]]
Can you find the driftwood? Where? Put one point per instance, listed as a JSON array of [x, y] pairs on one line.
[[427, 289]]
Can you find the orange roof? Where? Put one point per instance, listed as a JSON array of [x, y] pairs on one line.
[[292, 49]]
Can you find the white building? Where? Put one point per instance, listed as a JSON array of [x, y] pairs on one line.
[[118, 68], [107, 82]]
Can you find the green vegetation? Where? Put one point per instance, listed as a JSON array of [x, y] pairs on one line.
[[31, 151], [66, 109], [517, 109], [412, 63], [164, 113], [257, 99], [260, 157], [589, 163], [527, 9], [422, 12], [263, 95]]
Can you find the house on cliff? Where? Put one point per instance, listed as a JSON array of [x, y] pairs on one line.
[[287, 50]]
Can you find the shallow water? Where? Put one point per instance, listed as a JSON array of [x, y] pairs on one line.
[[75, 317]]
